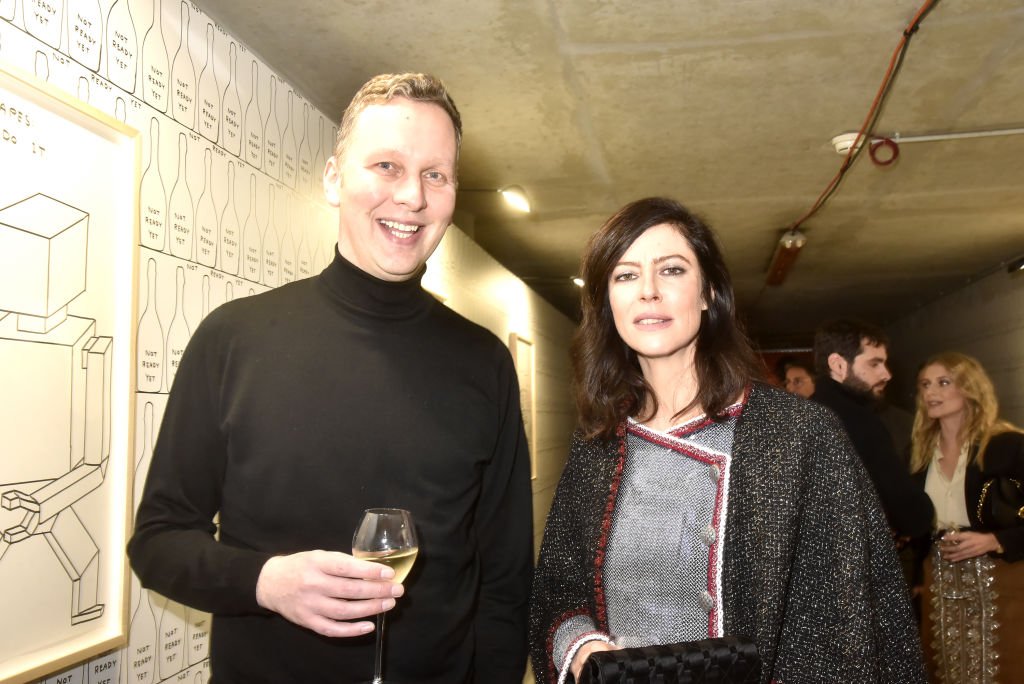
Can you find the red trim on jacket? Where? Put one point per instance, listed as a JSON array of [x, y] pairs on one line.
[[606, 528]]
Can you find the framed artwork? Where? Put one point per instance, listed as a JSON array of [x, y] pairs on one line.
[[523, 357], [68, 274]]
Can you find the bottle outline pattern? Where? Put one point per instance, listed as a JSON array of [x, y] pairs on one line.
[[141, 649], [183, 77], [209, 92], [180, 209], [303, 256], [206, 298], [145, 454], [230, 229], [153, 195], [305, 157], [319, 159], [85, 32], [44, 20], [289, 150], [252, 250], [156, 67], [253, 127], [41, 66], [270, 256], [171, 637], [287, 251], [121, 47], [272, 136], [231, 107], [206, 228], [179, 331], [149, 340]]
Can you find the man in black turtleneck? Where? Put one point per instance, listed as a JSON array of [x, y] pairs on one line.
[[850, 357], [295, 410]]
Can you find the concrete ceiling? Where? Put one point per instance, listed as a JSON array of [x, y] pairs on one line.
[[727, 106]]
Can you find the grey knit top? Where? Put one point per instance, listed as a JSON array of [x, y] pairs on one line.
[[664, 555]]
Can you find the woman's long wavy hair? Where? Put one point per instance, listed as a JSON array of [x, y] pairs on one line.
[[607, 380], [981, 409]]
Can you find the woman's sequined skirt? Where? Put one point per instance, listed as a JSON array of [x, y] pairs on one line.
[[970, 631]]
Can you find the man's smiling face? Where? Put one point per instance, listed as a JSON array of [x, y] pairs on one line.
[[394, 187]]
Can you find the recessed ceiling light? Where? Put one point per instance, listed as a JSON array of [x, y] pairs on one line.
[[516, 198]]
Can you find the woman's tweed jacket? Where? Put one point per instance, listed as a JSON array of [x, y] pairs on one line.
[[810, 571]]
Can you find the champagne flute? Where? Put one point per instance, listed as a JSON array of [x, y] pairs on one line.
[[386, 536]]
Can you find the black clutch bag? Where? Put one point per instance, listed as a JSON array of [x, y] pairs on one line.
[[1001, 504], [724, 660]]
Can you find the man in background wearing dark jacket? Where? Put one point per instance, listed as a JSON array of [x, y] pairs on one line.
[[850, 358]]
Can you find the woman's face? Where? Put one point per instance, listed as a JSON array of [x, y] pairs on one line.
[[655, 295], [938, 392]]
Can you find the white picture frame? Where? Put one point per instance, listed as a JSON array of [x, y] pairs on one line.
[[68, 273]]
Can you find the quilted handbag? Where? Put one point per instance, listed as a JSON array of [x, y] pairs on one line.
[[723, 660], [1001, 504]]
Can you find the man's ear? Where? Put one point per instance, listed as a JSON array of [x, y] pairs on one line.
[[332, 181], [838, 367]]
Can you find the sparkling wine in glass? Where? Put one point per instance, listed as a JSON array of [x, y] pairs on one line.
[[386, 536]]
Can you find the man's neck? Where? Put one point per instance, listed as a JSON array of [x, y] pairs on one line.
[[859, 395]]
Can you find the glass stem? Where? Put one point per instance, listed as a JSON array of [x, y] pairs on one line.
[[380, 649]]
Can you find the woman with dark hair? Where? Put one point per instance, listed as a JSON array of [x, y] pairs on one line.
[[974, 582], [697, 502]]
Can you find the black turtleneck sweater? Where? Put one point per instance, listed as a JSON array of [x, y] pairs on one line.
[[295, 410], [907, 507]]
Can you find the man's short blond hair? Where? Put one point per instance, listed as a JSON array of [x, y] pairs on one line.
[[386, 87]]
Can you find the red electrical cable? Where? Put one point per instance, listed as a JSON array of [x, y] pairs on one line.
[[887, 143], [863, 131]]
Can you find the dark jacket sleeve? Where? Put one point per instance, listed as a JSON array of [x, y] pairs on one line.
[[173, 549], [1004, 457], [505, 532], [564, 578], [810, 569], [859, 617], [908, 509]]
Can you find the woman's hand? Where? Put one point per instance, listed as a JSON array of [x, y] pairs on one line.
[[958, 546], [585, 650]]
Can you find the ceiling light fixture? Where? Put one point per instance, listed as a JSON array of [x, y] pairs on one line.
[[514, 196], [1015, 266], [578, 282], [786, 252]]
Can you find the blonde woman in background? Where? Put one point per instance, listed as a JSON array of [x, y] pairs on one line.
[[973, 582]]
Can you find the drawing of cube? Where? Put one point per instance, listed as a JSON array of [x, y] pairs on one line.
[[42, 256]]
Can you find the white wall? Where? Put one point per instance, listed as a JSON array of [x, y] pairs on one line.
[[984, 319], [475, 285]]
